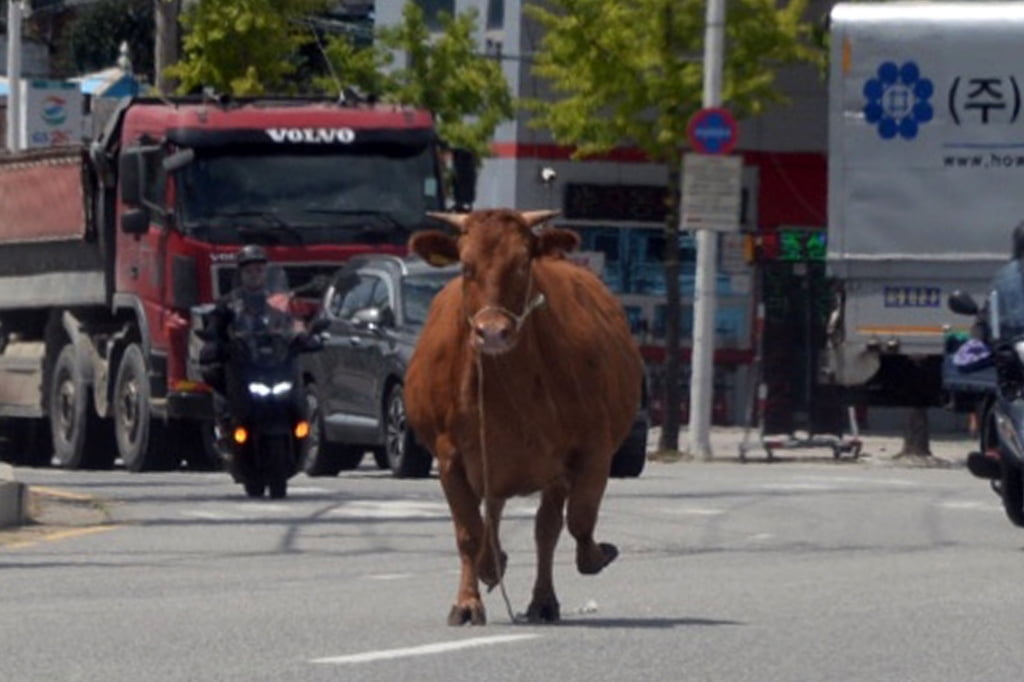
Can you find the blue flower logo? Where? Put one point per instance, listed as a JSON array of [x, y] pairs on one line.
[[897, 100]]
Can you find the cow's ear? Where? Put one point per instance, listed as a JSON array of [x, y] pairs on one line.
[[556, 242], [435, 247]]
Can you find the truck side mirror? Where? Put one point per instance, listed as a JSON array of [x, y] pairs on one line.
[[130, 176], [135, 221], [464, 180]]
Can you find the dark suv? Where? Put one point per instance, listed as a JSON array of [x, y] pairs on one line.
[[376, 306]]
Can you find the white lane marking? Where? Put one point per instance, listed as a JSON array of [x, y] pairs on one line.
[[970, 505], [424, 650], [389, 576], [391, 509], [407, 509], [306, 490], [693, 511], [212, 516]]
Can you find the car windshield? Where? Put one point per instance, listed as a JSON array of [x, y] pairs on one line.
[[274, 190], [417, 293]]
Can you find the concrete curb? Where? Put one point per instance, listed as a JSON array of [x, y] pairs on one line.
[[13, 498]]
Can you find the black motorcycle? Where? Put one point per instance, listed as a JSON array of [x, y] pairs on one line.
[[995, 373], [261, 424]]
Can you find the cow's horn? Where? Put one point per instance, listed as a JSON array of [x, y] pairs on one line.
[[537, 217], [456, 220]]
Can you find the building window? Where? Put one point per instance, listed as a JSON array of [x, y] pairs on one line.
[[432, 10], [495, 15]]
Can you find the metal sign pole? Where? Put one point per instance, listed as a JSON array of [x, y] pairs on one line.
[[14, 75], [702, 360]]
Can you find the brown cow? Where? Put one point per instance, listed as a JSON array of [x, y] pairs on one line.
[[525, 378]]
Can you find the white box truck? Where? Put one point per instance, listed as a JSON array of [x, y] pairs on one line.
[[926, 183]]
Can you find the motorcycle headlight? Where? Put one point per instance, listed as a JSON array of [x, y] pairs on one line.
[[258, 389], [1018, 347], [281, 388]]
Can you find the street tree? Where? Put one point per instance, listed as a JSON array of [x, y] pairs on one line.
[[629, 72], [242, 47], [445, 74], [96, 32]]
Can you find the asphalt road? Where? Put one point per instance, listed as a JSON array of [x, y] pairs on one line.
[[804, 569]]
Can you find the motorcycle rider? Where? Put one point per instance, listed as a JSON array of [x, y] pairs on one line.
[[1008, 286], [249, 305]]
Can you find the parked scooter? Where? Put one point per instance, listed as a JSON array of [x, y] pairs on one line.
[[1000, 458], [262, 426]]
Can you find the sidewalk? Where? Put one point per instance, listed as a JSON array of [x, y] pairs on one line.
[[881, 449]]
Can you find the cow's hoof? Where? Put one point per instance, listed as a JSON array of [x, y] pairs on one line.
[[485, 569], [473, 614], [545, 611], [589, 563]]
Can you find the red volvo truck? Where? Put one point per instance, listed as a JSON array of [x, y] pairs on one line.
[[105, 248]]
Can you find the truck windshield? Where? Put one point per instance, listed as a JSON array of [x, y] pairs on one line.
[[271, 189]]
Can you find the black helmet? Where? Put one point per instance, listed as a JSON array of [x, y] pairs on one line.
[[1018, 241], [251, 253]]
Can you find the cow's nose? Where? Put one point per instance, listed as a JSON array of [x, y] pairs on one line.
[[493, 335]]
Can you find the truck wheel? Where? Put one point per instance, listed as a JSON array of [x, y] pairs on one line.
[[140, 438], [405, 456], [81, 440]]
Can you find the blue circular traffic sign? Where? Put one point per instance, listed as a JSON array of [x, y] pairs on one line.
[[712, 131]]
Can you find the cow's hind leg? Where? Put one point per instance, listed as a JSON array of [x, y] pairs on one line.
[[547, 527], [585, 496], [491, 562], [469, 532]]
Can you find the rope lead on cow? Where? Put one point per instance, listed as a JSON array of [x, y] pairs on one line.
[[492, 535]]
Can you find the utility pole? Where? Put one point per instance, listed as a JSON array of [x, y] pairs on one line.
[[14, 12], [166, 14], [702, 360]]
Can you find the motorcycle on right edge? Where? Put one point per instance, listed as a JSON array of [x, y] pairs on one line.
[[996, 372]]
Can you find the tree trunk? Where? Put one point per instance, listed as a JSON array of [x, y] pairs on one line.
[[672, 398], [915, 434], [166, 48]]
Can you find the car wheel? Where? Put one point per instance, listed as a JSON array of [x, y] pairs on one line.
[[321, 457], [406, 458], [629, 459], [255, 489]]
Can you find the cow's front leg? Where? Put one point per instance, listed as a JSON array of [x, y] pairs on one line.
[[490, 564], [584, 501], [547, 527], [469, 533]]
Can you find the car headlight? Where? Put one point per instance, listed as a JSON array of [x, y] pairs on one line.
[[281, 388], [258, 389]]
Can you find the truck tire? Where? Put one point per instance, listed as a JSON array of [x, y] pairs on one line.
[[140, 437], [81, 440]]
